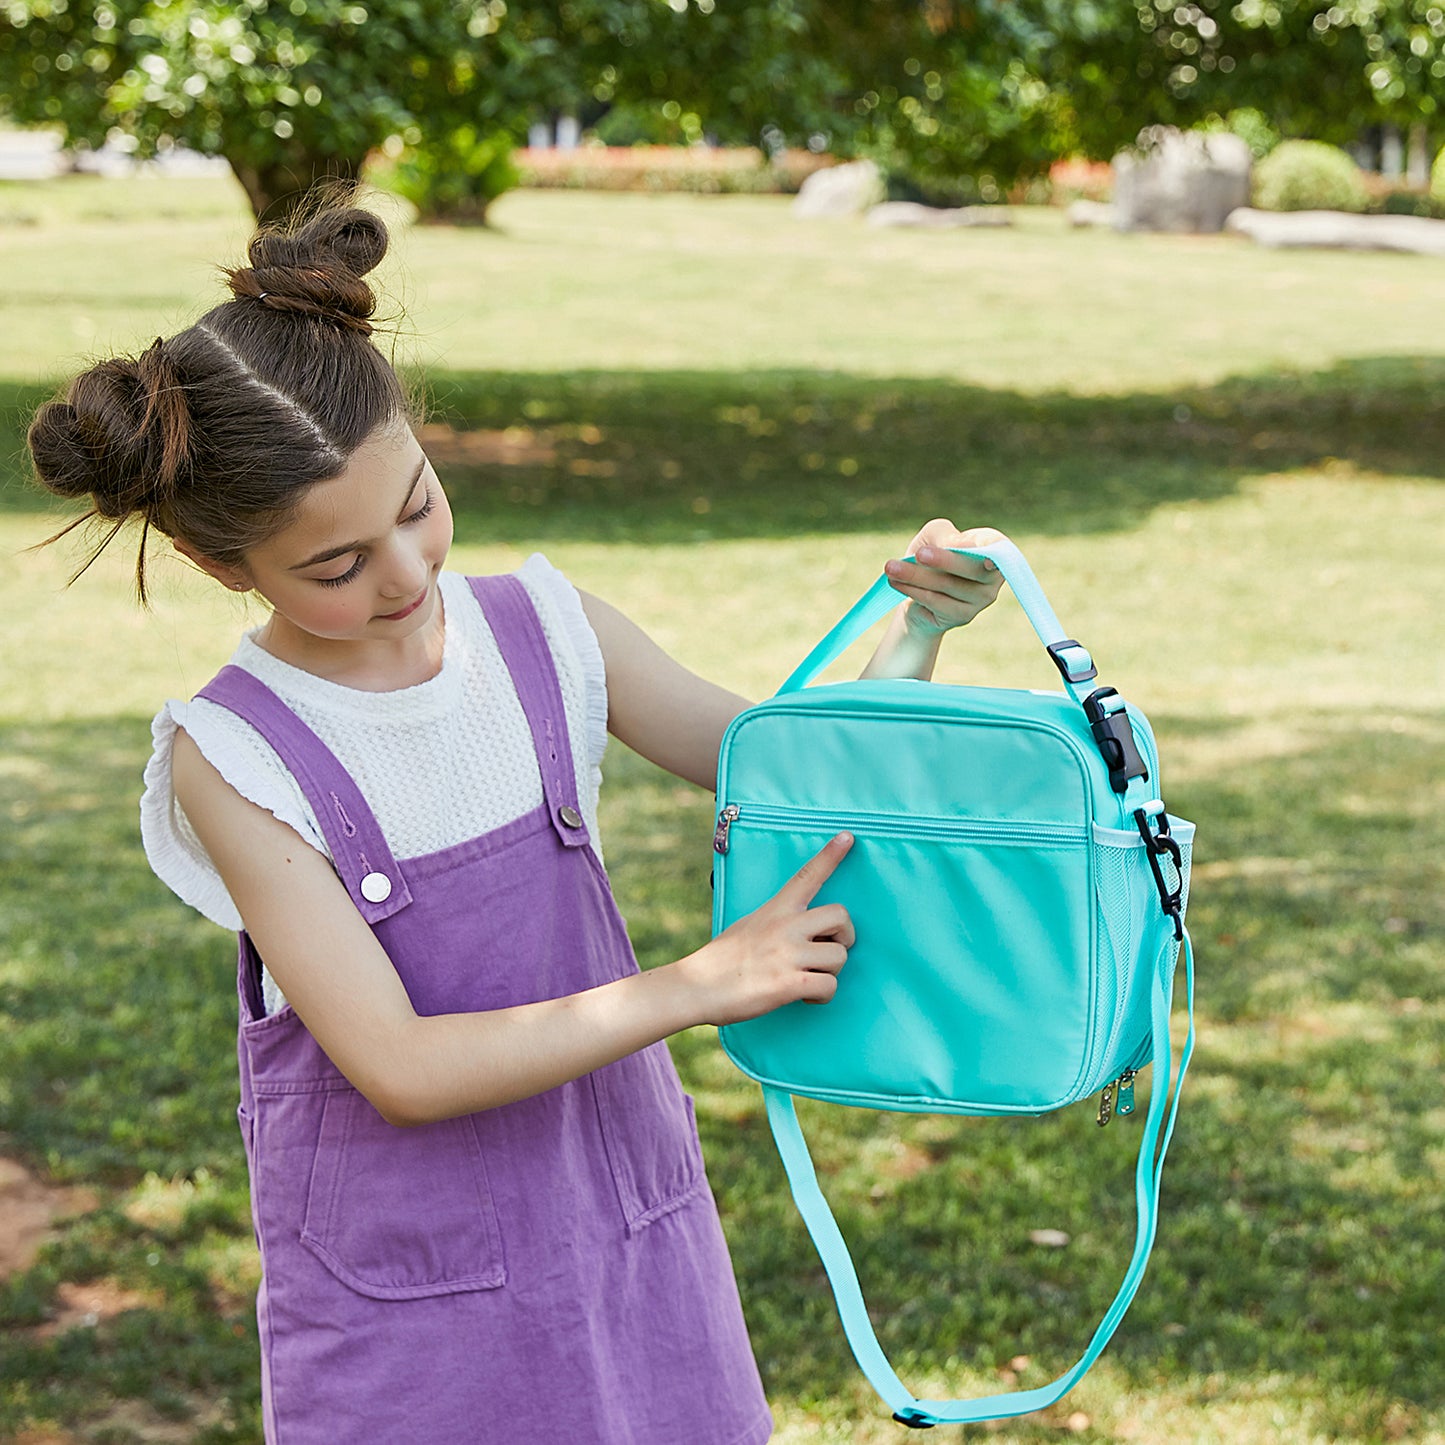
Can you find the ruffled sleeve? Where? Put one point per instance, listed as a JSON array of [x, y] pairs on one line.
[[248, 764]]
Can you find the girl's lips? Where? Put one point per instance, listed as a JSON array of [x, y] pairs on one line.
[[405, 611]]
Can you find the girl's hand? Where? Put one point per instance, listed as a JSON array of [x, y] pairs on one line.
[[945, 590], [782, 952]]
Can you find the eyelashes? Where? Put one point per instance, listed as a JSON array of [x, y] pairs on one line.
[[422, 512], [342, 580], [425, 510]]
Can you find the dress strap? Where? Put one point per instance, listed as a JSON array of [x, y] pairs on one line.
[[518, 630], [358, 849]]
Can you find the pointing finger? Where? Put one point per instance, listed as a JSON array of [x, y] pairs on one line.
[[800, 890]]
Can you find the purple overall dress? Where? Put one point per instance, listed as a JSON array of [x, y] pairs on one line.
[[549, 1270]]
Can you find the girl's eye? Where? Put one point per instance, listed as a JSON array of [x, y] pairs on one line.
[[425, 510], [345, 576]]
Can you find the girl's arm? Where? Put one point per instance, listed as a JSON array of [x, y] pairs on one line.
[[417, 1068], [666, 713], [654, 704]]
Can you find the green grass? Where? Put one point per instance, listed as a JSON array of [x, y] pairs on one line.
[[1226, 466]]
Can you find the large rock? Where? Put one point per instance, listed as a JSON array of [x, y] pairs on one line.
[[910, 213], [1340, 230], [1180, 181], [846, 190]]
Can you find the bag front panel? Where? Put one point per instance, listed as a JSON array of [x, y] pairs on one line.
[[961, 936]]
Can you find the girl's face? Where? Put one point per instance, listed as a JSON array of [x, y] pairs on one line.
[[359, 560]]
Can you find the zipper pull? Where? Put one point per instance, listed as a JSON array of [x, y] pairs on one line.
[[1106, 1104], [725, 820], [1126, 1092]]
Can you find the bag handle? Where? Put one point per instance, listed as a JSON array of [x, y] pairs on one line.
[[1072, 660], [833, 1251]]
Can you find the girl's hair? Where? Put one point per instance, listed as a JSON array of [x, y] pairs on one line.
[[212, 436]]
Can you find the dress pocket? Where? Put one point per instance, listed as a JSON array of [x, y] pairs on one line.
[[401, 1213], [650, 1133]]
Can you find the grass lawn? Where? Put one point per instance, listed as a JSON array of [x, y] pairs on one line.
[[1226, 465]]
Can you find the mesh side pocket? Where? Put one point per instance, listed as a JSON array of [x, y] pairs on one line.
[[1130, 922], [1125, 897], [1184, 836]]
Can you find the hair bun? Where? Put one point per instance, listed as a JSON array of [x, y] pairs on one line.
[[317, 269], [120, 437]]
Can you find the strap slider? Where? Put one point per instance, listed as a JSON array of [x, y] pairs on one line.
[[1115, 738], [1080, 669], [914, 1419]]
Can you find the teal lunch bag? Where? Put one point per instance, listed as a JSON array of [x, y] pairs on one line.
[[1018, 893]]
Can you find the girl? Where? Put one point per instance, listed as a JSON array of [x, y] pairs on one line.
[[476, 1181]]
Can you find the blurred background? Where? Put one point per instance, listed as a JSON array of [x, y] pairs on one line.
[[715, 304]]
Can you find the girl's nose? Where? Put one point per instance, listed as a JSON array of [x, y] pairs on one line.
[[406, 571]]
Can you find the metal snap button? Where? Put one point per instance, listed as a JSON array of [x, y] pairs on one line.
[[570, 816], [376, 888]]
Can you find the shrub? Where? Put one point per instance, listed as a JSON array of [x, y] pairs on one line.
[[1077, 179], [1437, 181], [942, 189], [706, 170], [453, 177], [1307, 175]]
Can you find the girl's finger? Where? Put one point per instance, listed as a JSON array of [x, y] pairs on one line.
[[942, 606], [820, 988], [938, 578], [944, 559], [831, 921], [827, 958]]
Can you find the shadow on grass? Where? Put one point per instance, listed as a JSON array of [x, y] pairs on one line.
[[692, 456], [117, 1061], [1301, 1240]]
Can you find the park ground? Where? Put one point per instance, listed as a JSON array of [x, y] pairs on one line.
[[1227, 466]]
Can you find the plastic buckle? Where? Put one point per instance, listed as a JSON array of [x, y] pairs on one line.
[[914, 1419], [1115, 739], [1068, 673], [1160, 844]]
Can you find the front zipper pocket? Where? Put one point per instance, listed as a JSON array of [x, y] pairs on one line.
[[981, 998], [764, 815]]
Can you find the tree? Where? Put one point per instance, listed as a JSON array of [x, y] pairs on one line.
[[1319, 69], [292, 90], [960, 97]]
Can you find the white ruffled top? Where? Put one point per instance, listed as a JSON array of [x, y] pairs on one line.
[[439, 763]]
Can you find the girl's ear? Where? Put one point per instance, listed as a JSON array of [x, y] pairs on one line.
[[234, 578]]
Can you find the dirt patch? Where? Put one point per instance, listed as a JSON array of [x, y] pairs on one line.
[[83, 1306], [129, 1420], [28, 1209], [515, 447]]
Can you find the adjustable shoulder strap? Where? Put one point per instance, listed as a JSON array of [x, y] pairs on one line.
[[1156, 1133], [520, 639], [358, 847]]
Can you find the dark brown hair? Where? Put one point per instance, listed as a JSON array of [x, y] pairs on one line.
[[211, 436]]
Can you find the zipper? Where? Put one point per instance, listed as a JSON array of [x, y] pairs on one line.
[[1118, 1097], [725, 820], [761, 815], [1124, 1103]]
